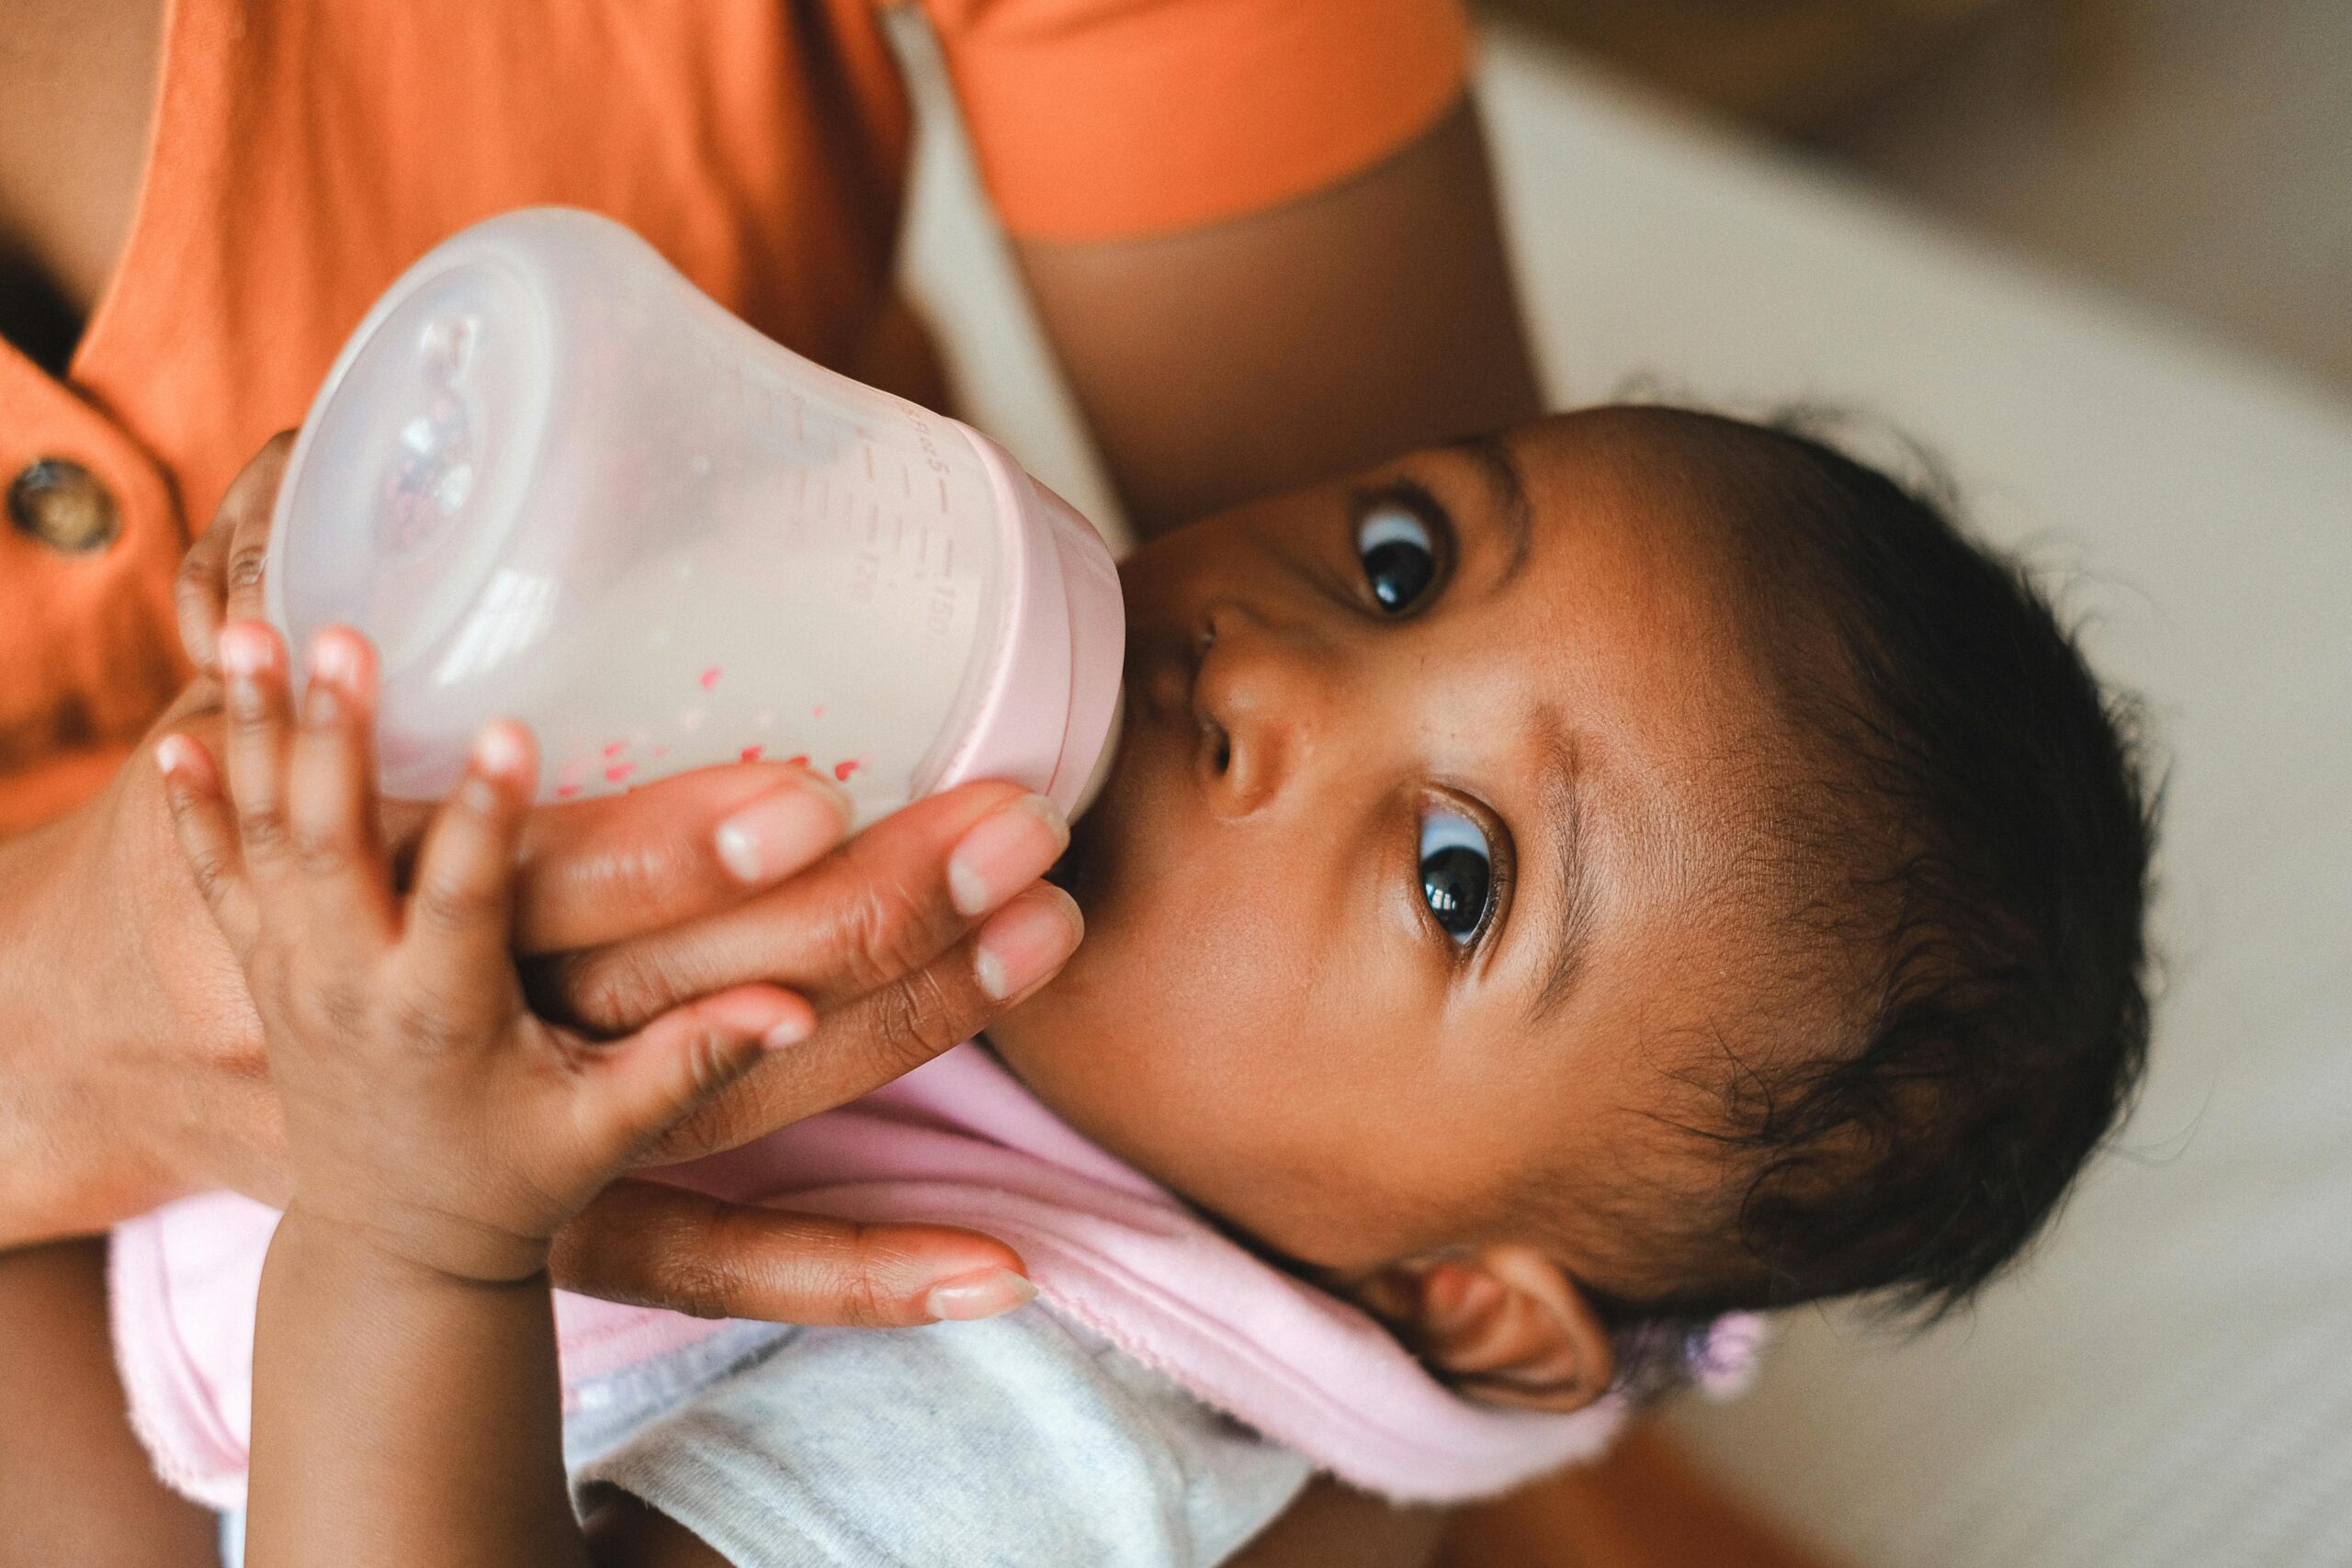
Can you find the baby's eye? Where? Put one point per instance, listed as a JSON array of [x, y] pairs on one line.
[[1457, 874], [1399, 558]]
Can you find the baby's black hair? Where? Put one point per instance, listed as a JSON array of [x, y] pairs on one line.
[[1975, 833]]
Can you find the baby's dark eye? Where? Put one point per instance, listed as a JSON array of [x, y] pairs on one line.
[[1399, 558], [1457, 874]]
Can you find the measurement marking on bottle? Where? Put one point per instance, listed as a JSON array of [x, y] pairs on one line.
[[943, 495]]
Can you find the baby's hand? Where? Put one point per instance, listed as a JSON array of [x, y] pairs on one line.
[[427, 1111]]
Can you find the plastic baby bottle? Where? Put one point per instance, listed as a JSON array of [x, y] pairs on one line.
[[554, 481]]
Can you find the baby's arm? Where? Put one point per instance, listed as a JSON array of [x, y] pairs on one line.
[[74, 1485], [406, 1407]]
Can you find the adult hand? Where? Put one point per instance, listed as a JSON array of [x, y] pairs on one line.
[[133, 1070]]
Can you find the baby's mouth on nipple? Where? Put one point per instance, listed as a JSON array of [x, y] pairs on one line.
[[1070, 872]]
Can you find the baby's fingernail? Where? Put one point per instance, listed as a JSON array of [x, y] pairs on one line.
[[500, 750], [173, 752], [335, 659], [782, 832], [245, 652], [790, 1030], [975, 1296], [1005, 853], [1027, 942], [245, 649]]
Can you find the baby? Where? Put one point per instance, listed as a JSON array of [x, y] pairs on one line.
[[1554, 891]]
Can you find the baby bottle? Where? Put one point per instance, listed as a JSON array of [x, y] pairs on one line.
[[553, 482]]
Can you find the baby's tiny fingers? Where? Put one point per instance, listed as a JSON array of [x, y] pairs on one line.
[[650, 1080], [331, 793], [208, 835], [253, 671], [461, 912]]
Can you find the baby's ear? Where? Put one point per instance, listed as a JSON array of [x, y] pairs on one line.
[[1505, 1324]]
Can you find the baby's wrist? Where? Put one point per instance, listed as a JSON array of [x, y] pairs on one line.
[[430, 1250]]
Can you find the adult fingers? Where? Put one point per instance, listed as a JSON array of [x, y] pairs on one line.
[[330, 797], [866, 1043], [598, 871], [208, 835], [252, 666], [220, 579], [660, 1245], [875, 912]]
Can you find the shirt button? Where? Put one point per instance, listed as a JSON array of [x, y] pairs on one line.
[[62, 504]]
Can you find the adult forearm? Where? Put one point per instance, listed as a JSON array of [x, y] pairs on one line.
[[61, 1173], [402, 1415], [1335, 332], [127, 1063]]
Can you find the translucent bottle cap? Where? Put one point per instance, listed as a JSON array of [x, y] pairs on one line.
[[407, 508]]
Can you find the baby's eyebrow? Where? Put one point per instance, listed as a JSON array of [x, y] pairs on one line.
[[1571, 923], [1491, 455]]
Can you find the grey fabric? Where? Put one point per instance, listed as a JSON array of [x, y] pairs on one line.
[[1023, 1440], [1026, 1440]]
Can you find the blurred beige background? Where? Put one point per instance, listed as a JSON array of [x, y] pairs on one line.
[[2195, 154]]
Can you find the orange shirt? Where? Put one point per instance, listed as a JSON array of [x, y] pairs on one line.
[[303, 154]]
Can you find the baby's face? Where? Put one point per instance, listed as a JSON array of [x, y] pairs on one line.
[[1424, 838]]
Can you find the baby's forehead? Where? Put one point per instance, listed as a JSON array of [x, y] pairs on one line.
[[1695, 485]]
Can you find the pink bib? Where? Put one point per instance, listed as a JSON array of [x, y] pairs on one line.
[[959, 1142]]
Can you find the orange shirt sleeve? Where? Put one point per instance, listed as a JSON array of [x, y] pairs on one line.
[[1099, 119]]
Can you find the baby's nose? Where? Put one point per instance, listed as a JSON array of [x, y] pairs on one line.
[[1259, 699]]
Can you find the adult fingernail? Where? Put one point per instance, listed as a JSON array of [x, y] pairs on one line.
[[974, 1296], [784, 831], [1005, 852], [1025, 943]]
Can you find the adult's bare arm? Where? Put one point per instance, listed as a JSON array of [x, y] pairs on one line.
[[1329, 335]]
